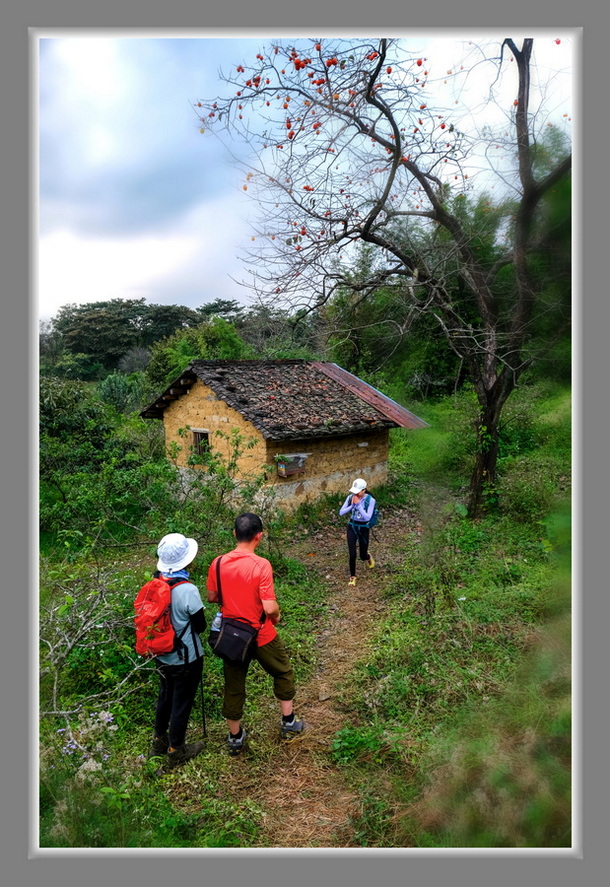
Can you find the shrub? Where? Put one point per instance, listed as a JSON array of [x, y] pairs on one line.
[[126, 394], [528, 488]]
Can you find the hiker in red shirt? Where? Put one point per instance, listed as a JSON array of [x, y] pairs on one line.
[[247, 593]]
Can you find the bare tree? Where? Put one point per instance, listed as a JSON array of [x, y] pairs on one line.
[[81, 616], [352, 143]]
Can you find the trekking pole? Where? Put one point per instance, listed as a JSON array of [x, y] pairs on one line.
[[205, 732]]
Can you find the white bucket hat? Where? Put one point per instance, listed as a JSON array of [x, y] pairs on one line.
[[358, 486], [175, 552]]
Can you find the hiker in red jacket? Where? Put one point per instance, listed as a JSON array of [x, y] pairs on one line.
[[360, 506]]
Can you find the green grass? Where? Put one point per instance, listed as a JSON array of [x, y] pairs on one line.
[[125, 803], [466, 697]]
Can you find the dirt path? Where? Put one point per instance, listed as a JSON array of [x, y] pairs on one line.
[[306, 798]]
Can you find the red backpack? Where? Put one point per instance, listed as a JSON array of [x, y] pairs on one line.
[[155, 633]]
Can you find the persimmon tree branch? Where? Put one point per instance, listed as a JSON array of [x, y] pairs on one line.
[[355, 142]]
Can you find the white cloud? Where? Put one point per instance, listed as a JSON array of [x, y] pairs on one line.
[[74, 269], [190, 265]]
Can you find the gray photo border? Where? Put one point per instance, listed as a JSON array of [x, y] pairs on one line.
[[20, 864]]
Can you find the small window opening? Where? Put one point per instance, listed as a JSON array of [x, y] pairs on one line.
[[201, 442]]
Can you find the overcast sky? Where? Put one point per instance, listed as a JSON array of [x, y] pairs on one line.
[[133, 200]]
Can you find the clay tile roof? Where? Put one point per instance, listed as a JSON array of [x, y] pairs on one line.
[[287, 399]]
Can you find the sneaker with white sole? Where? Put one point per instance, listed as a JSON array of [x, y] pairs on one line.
[[236, 743], [292, 728]]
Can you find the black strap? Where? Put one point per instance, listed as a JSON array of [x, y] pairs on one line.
[[172, 584], [218, 586], [182, 649]]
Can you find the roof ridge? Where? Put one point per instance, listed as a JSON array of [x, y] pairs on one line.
[[296, 398]]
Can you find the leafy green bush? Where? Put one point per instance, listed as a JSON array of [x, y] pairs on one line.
[[215, 339], [81, 367], [126, 393], [358, 744], [112, 503]]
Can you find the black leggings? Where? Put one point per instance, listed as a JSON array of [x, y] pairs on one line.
[[357, 536], [177, 688]]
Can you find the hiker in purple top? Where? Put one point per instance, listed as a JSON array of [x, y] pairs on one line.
[[360, 506]]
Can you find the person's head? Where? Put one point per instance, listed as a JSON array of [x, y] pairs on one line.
[[175, 552], [359, 486], [247, 526]]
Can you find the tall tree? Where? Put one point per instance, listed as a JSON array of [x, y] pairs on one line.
[[114, 331], [229, 309], [104, 331], [160, 321], [353, 147]]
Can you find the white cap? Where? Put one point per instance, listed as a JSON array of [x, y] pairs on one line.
[[175, 552], [358, 486]]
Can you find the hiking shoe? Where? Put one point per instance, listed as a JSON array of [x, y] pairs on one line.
[[184, 753], [159, 746], [236, 743], [352, 580], [371, 561], [290, 729]]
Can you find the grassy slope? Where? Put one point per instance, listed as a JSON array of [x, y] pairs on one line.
[[468, 736]]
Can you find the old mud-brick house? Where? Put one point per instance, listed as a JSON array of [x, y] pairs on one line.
[[315, 427]]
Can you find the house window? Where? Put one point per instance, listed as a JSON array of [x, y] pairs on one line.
[[201, 441]]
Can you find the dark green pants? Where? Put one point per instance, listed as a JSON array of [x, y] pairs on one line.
[[274, 659]]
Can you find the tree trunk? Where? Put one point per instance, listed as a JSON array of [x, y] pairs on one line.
[[483, 477]]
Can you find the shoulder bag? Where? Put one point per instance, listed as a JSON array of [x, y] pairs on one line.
[[235, 640]]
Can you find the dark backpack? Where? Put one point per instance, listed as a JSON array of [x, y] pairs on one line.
[[155, 633], [374, 518]]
